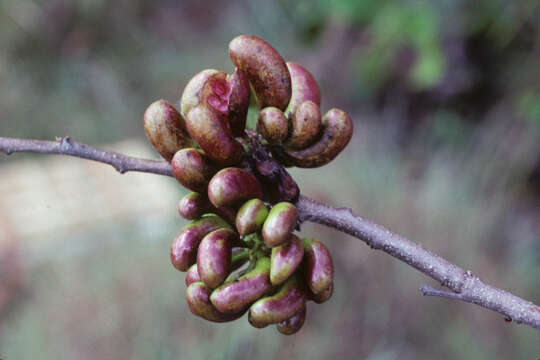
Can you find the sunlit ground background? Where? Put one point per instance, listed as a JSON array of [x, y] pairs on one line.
[[446, 101]]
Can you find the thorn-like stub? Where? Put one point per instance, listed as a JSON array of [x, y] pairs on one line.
[[65, 143]]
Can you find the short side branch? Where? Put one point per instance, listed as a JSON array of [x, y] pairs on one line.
[[429, 291], [464, 285]]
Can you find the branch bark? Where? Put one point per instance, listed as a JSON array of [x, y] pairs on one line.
[[464, 285]]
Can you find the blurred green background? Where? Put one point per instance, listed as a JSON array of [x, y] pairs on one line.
[[446, 101]]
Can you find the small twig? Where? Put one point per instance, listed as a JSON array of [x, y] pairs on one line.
[[429, 291], [464, 284]]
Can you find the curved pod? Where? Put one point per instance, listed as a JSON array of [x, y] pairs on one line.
[[214, 256], [305, 126], [323, 296], [273, 125], [319, 265], [198, 299], [285, 259], [293, 324], [193, 205], [338, 130], [290, 299], [238, 101], [256, 324], [304, 87], [185, 244], [192, 169], [279, 224], [265, 69], [251, 216], [232, 187], [211, 131], [226, 94], [191, 96], [235, 296], [166, 129], [192, 275]]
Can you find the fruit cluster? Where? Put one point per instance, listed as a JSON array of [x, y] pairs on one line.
[[257, 264], [214, 108], [237, 254]]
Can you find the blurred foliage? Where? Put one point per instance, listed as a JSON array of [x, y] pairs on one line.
[[446, 99]]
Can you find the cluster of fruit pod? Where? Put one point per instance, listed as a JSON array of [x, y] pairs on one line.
[[255, 264], [214, 107], [212, 154]]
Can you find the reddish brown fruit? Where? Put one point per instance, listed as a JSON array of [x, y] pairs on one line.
[[265, 69], [166, 129], [251, 217], [304, 87], [192, 275], [293, 324], [214, 256], [185, 244], [236, 295], [193, 205], [211, 131], [338, 129], [319, 265], [279, 224], [323, 296], [256, 324], [191, 97], [285, 260], [273, 125], [306, 125], [192, 169], [232, 187], [198, 299], [238, 94], [289, 300], [228, 95]]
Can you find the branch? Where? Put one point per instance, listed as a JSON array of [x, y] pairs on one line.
[[66, 146], [464, 285]]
